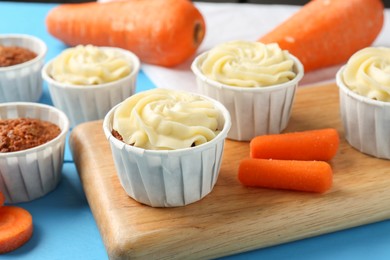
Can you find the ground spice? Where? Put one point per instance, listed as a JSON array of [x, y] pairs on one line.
[[24, 133], [13, 55]]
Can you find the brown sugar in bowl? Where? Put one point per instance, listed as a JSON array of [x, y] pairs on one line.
[[24, 133], [29, 174], [14, 55], [22, 82]]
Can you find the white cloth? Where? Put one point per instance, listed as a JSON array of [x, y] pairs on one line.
[[229, 21], [232, 21]]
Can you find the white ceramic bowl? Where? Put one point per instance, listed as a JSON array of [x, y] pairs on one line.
[[169, 178], [29, 174], [22, 82], [366, 121], [254, 111], [88, 103]]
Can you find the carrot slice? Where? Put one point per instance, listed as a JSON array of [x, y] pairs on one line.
[[16, 228], [320, 144], [310, 176], [327, 32]]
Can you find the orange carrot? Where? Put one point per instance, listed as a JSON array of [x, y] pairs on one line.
[[327, 32], [16, 228], [2, 199], [161, 32], [321, 145], [311, 176]]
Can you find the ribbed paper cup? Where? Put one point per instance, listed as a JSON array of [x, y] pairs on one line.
[[83, 103], [29, 174], [254, 111], [22, 82], [366, 121], [169, 178]]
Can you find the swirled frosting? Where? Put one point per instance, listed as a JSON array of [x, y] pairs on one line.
[[248, 64], [367, 73], [162, 119], [89, 65]]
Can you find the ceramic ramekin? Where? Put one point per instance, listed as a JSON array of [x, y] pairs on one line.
[[88, 103], [366, 121], [254, 111], [22, 82], [169, 178], [29, 174]]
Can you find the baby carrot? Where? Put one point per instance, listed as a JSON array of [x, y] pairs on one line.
[[16, 228], [311, 176], [327, 32], [160, 32], [321, 145]]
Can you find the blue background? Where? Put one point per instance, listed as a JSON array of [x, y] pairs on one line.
[[64, 227]]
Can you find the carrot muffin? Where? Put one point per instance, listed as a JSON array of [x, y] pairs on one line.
[[162, 119], [13, 55], [367, 73], [172, 145], [90, 65], [248, 64], [255, 81], [365, 101], [24, 133], [87, 81]]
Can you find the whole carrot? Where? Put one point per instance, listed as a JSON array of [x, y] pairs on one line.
[[16, 228], [321, 145], [161, 32], [327, 32], [2, 199], [311, 176]]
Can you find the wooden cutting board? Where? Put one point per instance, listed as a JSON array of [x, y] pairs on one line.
[[233, 218]]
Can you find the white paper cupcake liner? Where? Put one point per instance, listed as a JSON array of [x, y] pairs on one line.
[[366, 121], [29, 174], [22, 82], [168, 178], [254, 111], [88, 103]]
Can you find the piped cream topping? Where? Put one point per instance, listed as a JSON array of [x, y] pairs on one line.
[[162, 119], [367, 73], [248, 64], [89, 65]]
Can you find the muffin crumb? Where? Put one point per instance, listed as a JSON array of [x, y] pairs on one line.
[[117, 135]]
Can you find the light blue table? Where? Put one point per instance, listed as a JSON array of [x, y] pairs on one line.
[[63, 222]]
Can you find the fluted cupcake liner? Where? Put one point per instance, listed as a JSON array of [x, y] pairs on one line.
[[168, 178], [254, 111], [29, 174], [88, 103], [22, 82], [366, 121]]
